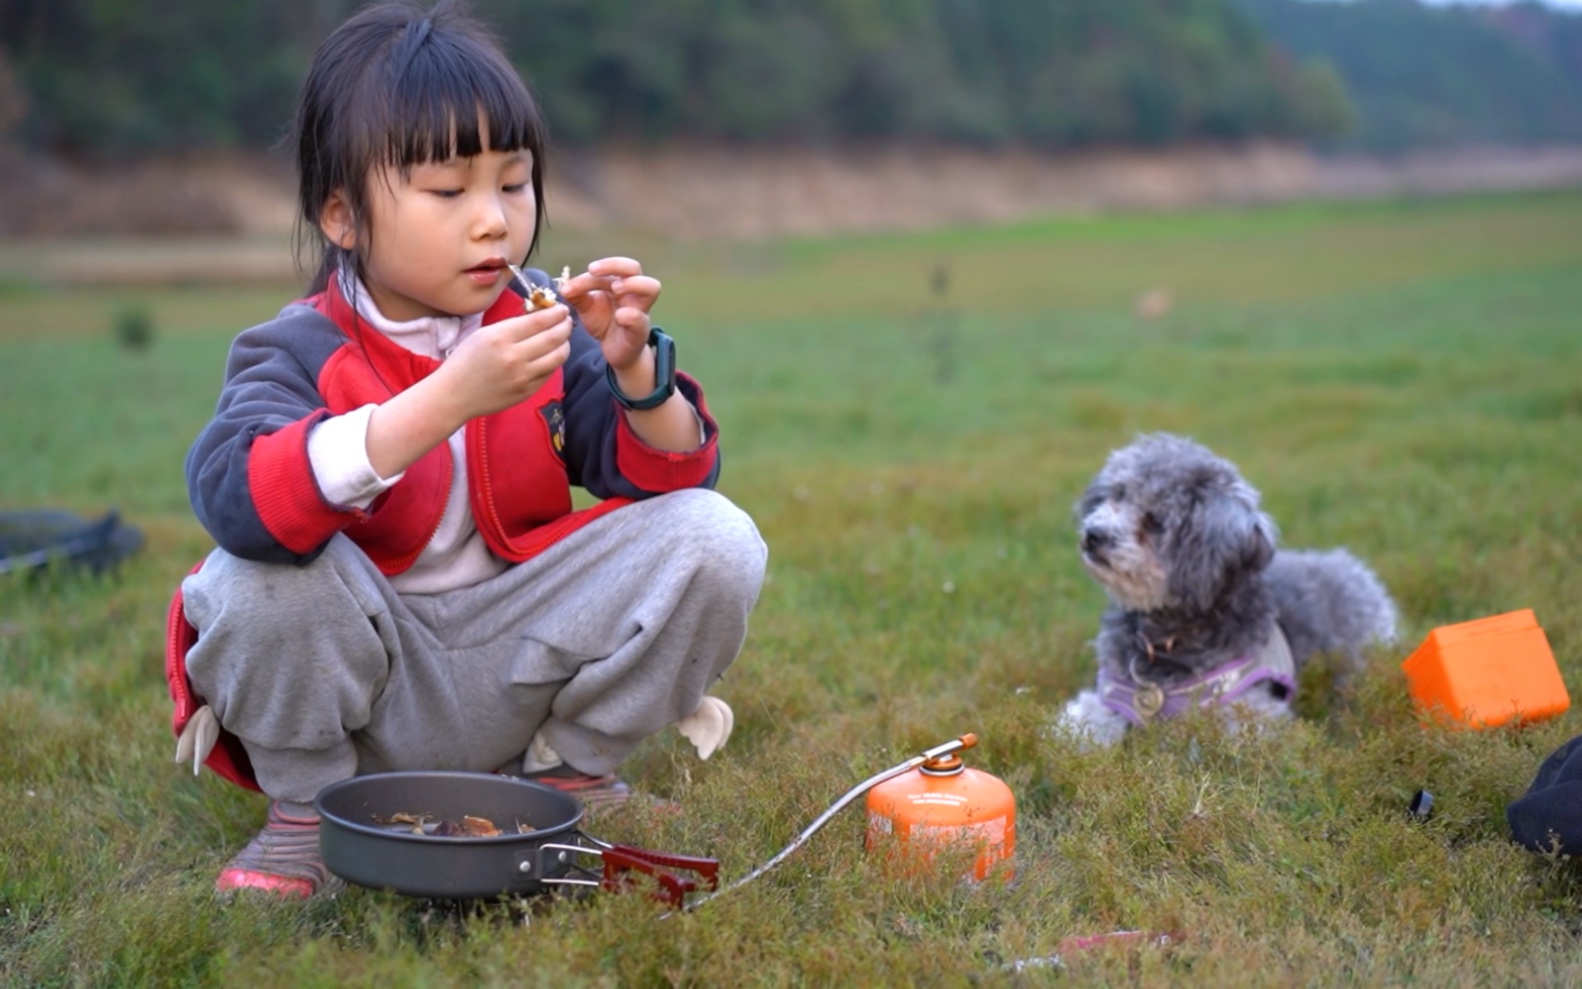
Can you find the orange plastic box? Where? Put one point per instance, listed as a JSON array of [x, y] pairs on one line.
[[1487, 672]]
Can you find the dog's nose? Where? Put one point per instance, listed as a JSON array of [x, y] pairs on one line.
[[1096, 541]]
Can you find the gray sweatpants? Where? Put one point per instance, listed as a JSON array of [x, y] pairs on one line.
[[615, 632]]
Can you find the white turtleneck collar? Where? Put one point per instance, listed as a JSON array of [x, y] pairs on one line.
[[430, 336]]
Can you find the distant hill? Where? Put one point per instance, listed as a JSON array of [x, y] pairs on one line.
[[1422, 76], [107, 78]]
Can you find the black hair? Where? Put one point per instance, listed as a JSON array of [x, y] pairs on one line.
[[396, 87]]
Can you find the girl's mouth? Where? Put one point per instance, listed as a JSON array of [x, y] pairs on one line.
[[487, 273]]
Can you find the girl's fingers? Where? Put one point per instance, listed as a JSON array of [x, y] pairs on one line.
[[580, 286], [637, 290], [596, 320], [617, 267], [632, 299], [560, 333], [532, 347], [613, 292], [545, 364], [594, 306], [534, 323], [619, 276], [633, 318], [560, 356]]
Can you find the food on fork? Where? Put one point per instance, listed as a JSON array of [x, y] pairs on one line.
[[541, 296]]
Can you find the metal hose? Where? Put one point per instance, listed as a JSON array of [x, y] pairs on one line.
[[954, 745]]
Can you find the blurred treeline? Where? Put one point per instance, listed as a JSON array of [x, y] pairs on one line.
[[103, 78], [1436, 76], [111, 77]]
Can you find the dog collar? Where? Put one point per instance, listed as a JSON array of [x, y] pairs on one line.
[[1142, 700]]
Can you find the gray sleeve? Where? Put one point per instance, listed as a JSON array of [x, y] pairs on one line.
[[271, 385]]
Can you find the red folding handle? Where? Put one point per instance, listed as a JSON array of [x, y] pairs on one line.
[[621, 860]]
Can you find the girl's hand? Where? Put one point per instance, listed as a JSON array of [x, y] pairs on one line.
[[613, 297], [501, 364]]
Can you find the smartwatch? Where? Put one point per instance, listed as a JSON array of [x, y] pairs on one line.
[[664, 374]]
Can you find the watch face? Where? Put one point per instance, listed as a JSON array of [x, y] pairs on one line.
[[664, 358]]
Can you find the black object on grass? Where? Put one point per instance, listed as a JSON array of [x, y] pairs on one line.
[[1422, 806], [29, 540], [1547, 819]]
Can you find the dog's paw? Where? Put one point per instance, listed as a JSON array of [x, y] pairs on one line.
[[1086, 719]]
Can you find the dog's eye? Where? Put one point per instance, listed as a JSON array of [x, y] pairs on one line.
[[1151, 524]]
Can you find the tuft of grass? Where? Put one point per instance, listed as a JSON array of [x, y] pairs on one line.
[[134, 328], [1399, 379]]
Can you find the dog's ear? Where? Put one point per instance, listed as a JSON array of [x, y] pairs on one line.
[[1226, 538], [1260, 542]]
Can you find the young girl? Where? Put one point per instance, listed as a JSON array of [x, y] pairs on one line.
[[401, 581]]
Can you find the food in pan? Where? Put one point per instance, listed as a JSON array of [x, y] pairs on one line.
[[467, 827]]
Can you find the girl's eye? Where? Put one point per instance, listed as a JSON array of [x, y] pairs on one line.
[[446, 193], [515, 188]]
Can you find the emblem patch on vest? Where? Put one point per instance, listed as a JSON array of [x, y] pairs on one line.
[[555, 419]]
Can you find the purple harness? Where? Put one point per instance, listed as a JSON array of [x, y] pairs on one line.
[[1141, 701]]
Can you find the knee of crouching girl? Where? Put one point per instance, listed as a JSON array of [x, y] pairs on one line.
[[732, 555]]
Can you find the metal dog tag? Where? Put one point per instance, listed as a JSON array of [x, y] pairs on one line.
[[1149, 700]]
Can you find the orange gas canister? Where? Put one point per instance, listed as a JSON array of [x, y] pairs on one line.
[[1488, 672], [943, 804]]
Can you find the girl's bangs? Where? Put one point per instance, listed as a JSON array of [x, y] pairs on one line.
[[445, 102]]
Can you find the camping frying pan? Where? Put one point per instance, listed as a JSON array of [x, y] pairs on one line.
[[368, 837]]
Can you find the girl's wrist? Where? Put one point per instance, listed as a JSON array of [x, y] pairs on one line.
[[444, 399], [637, 378]]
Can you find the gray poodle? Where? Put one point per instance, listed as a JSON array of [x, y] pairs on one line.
[[1204, 610]]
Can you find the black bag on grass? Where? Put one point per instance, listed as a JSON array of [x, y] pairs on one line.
[[31, 539], [1549, 816]]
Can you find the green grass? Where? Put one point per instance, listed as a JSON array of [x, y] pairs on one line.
[[1398, 378]]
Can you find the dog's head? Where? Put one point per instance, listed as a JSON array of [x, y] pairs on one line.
[[1167, 524]]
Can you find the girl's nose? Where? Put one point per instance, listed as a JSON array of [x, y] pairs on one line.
[[490, 220]]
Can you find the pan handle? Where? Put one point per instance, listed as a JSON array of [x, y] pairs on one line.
[[620, 861]]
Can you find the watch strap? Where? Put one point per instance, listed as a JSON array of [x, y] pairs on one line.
[[664, 374]]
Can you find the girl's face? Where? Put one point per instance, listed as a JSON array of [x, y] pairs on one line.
[[440, 236]]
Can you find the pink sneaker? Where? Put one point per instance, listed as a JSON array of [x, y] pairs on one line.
[[596, 792], [283, 859]]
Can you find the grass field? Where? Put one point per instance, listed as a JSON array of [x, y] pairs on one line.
[[1402, 379]]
